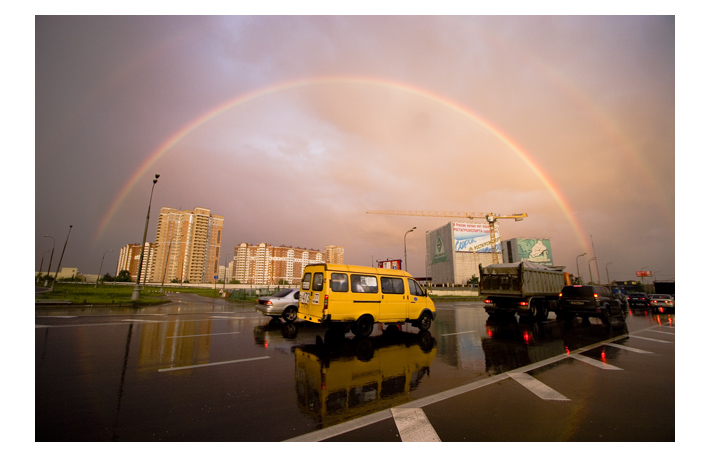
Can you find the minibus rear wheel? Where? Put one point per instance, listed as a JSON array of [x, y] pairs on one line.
[[363, 326]]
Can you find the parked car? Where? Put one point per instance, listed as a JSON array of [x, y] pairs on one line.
[[589, 301], [638, 299], [661, 302], [283, 303]]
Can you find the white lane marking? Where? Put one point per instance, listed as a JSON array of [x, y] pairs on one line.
[[627, 348], [594, 362], [661, 331], [226, 317], [56, 317], [203, 334], [187, 367], [142, 320], [538, 388], [459, 333], [650, 339], [413, 425]]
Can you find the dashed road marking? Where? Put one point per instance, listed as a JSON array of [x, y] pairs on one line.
[[413, 425], [538, 388], [627, 348], [650, 339], [187, 367], [458, 333], [202, 334], [594, 362], [142, 320]]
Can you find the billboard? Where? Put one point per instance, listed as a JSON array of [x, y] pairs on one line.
[[390, 264], [474, 237], [535, 250], [640, 274]]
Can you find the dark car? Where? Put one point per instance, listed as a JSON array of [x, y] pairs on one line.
[[638, 299], [589, 301]]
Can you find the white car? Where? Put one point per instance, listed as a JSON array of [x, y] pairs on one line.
[[661, 302], [283, 303]]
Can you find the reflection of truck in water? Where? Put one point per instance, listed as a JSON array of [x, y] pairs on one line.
[[511, 345], [525, 288], [349, 378]]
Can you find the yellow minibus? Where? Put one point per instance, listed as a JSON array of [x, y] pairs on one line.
[[348, 295]]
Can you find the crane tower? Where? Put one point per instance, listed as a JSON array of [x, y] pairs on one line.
[[490, 217]]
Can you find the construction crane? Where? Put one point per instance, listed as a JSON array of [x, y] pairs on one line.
[[490, 217]]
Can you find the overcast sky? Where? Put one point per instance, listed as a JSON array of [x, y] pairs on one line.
[[292, 127]]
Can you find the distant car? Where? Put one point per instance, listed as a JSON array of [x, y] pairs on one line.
[[661, 302], [638, 299], [589, 301], [283, 303]]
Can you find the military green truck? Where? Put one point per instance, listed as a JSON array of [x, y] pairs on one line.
[[525, 288]]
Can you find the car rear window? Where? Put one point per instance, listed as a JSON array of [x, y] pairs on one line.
[[577, 292], [282, 293]]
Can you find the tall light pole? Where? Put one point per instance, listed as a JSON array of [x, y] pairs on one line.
[[577, 262], [607, 273], [596, 262], [50, 260], [59, 265], [406, 268], [41, 264], [137, 290], [100, 267], [589, 264]]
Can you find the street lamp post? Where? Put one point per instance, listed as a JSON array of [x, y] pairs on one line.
[[41, 264], [50, 260], [100, 267], [406, 268], [577, 262], [59, 265], [607, 273], [589, 264], [137, 289]]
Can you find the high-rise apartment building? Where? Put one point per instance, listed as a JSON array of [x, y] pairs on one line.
[[129, 258], [266, 264], [187, 245], [335, 254]]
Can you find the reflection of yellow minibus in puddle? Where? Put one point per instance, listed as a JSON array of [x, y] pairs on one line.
[[347, 378]]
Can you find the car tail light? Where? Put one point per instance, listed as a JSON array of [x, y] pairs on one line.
[[596, 295], [325, 304], [560, 294], [524, 303], [268, 303], [487, 301]]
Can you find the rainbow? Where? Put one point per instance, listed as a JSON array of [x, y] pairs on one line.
[[178, 136]]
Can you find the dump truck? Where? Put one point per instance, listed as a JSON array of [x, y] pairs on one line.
[[525, 288]]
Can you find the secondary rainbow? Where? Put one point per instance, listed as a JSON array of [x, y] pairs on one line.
[[174, 139]]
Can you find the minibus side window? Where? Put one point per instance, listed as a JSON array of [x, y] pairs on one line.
[[339, 282], [318, 281], [363, 284], [392, 285], [414, 288], [306, 283]]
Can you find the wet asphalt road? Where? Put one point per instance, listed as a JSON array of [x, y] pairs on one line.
[[201, 369]]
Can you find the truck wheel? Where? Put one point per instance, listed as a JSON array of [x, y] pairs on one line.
[[425, 322], [363, 326]]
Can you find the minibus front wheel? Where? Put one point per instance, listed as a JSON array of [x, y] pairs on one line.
[[363, 326], [424, 322]]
